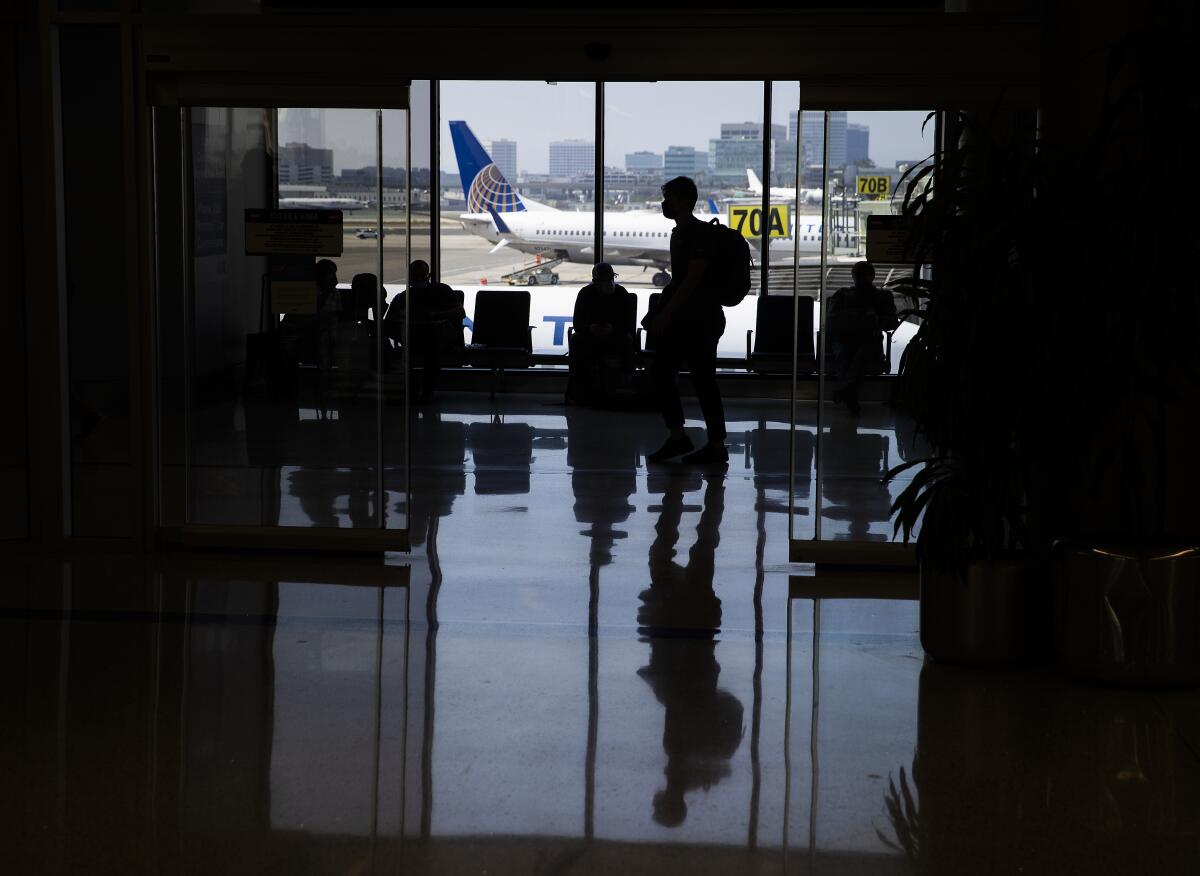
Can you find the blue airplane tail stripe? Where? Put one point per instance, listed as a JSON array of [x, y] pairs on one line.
[[484, 185]]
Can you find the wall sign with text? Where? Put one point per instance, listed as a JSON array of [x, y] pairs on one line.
[[888, 239], [875, 186], [294, 232], [746, 219]]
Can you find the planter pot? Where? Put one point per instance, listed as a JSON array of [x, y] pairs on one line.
[[1128, 615], [995, 613]]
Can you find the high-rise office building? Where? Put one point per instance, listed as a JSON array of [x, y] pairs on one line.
[[570, 158], [811, 130], [740, 148], [504, 154], [684, 161], [302, 164], [749, 131], [858, 143], [644, 161]]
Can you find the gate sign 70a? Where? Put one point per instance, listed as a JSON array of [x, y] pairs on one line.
[[747, 220], [874, 186]]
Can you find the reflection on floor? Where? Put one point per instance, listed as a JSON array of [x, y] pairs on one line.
[[585, 666]]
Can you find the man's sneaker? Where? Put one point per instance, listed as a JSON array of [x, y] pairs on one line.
[[673, 447], [710, 453]]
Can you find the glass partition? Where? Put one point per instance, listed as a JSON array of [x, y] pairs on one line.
[[290, 397], [854, 165]]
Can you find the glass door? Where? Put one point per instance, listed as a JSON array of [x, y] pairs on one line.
[[848, 430], [282, 233]]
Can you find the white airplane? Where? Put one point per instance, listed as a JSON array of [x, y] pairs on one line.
[[497, 213], [810, 196], [321, 204]]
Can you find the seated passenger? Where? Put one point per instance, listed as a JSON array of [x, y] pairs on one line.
[[435, 327], [359, 305], [857, 318], [602, 342]]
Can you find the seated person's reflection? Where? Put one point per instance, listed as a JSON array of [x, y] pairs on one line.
[[311, 336], [602, 343], [857, 318], [438, 476], [435, 319], [603, 478], [681, 616], [854, 490]]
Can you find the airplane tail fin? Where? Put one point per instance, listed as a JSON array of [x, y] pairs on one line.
[[755, 182], [485, 187], [712, 207]]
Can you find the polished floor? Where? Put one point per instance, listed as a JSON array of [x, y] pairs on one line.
[[586, 665]]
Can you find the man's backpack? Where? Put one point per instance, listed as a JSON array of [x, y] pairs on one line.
[[731, 264]]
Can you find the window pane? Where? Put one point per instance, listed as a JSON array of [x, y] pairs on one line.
[[525, 150], [711, 132], [283, 426], [861, 436]]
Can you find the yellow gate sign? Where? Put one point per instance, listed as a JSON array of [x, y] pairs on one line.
[[875, 186], [746, 219]]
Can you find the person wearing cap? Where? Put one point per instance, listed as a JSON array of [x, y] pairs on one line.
[[602, 339]]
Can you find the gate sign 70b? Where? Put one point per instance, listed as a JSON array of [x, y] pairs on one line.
[[747, 220], [874, 186]]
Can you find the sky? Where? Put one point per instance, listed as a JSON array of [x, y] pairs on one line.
[[649, 116]]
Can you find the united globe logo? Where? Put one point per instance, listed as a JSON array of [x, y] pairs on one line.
[[491, 191]]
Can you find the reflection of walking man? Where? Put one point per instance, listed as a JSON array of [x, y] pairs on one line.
[[687, 326], [681, 617]]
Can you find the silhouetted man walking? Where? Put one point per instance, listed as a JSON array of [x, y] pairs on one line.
[[687, 326]]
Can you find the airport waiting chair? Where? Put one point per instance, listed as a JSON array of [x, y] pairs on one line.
[[502, 337], [769, 343], [628, 326], [646, 342], [451, 337]]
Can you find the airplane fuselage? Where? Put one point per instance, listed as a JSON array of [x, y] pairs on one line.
[[629, 238], [321, 204]]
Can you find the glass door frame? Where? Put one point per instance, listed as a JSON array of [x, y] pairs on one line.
[[890, 554], [185, 93]]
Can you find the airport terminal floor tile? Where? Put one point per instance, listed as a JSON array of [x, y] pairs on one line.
[[584, 666]]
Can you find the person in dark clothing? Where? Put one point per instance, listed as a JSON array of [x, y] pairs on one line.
[[857, 318], [687, 326], [601, 340], [436, 322]]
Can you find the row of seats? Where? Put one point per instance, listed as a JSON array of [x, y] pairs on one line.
[[502, 337]]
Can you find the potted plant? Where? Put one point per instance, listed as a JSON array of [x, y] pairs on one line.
[[1124, 376], [1060, 404], [966, 379]]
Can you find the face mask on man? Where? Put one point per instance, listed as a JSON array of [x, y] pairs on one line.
[[667, 210]]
